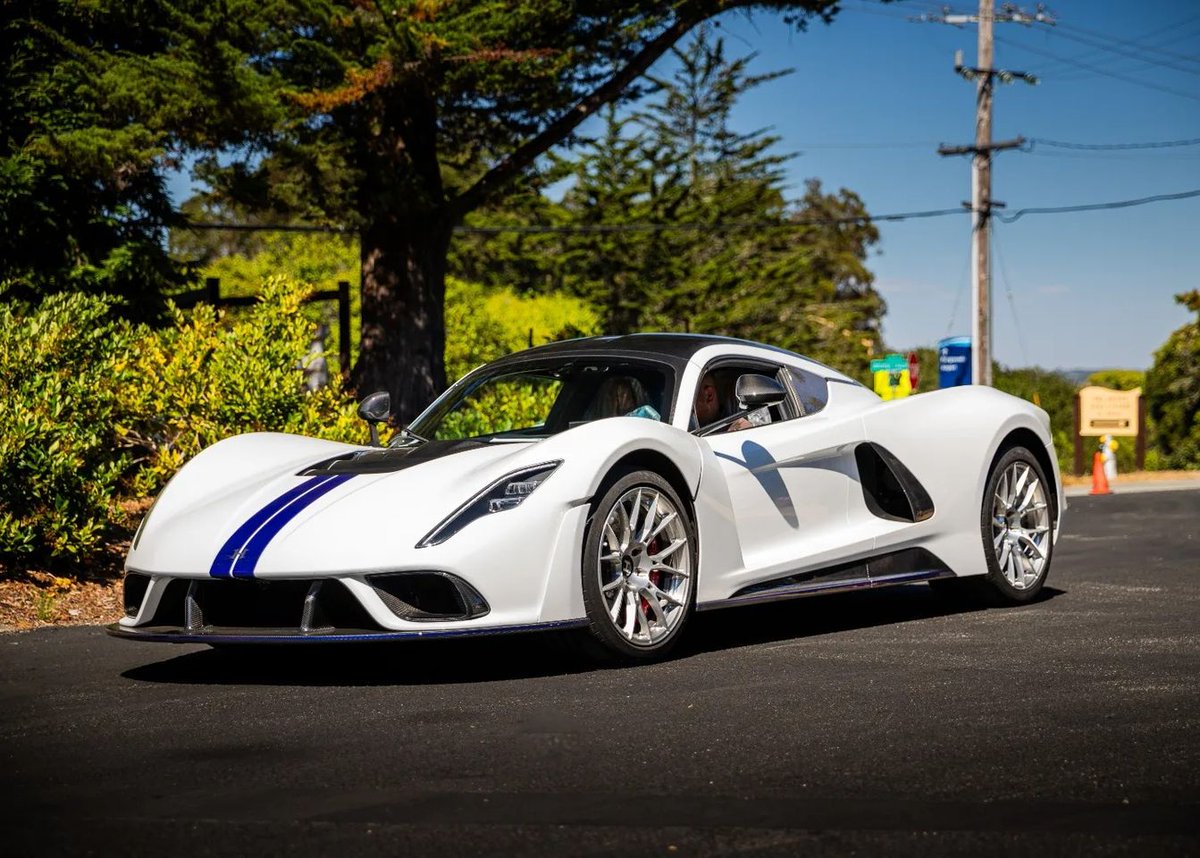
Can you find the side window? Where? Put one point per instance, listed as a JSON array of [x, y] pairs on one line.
[[812, 391], [723, 380]]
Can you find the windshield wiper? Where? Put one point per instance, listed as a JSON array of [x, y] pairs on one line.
[[404, 430]]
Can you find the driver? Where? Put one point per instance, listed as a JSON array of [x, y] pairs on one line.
[[708, 406]]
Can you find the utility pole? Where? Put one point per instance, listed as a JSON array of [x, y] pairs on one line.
[[984, 74]]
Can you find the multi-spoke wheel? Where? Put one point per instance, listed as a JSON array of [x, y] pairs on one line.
[[1017, 527], [1021, 525], [638, 567]]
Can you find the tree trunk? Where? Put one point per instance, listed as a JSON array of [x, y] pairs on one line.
[[403, 339]]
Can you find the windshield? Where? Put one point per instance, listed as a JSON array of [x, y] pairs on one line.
[[534, 401]]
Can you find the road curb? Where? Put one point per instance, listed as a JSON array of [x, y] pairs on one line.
[[1138, 488]]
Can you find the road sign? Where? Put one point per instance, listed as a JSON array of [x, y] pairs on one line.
[[1108, 412], [890, 375], [954, 361], [914, 369]]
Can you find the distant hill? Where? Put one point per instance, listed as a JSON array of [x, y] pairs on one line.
[[1076, 376]]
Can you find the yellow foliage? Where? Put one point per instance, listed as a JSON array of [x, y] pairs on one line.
[[207, 377]]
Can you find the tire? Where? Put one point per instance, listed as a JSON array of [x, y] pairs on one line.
[[1016, 525], [639, 582]]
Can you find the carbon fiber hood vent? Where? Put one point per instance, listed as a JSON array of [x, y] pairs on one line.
[[388, 460]]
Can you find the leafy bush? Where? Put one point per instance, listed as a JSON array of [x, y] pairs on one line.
[[207, 377], [317, 260], [1173, 392], [484, 324], [94, 411], [60, 456]]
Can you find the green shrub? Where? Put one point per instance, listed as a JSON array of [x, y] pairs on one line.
[[60, 456], [484, 324], [1173, 392], [95, 412], [209, 376], [316, 260]]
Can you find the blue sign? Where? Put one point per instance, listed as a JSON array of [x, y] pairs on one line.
[[954, 361]]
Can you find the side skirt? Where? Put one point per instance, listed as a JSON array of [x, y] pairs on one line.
[[899, 567]]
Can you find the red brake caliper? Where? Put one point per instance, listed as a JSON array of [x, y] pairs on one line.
[[655, 577]]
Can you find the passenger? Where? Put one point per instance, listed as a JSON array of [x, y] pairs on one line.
[[621, 396]]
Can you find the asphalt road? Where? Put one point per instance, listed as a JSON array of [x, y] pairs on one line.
[[874, 722]]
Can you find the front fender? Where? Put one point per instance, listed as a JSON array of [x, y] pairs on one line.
[[590, 452]]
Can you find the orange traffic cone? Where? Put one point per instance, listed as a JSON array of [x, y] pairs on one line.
[[1099, 481]]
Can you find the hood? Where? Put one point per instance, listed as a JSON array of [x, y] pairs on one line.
[[319, 508]]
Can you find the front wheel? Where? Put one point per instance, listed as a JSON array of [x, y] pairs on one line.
[[1017, 528], [639, 568]]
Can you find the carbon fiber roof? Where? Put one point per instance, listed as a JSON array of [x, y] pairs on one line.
[[675, 349]]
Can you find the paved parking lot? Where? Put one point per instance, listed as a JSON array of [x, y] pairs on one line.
[[865, 722]]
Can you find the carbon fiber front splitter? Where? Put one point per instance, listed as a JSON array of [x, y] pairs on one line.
[[174, 634]]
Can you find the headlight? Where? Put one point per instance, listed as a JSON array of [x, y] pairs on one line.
[[506, 493]]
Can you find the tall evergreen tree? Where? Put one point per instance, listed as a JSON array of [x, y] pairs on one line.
[[396, 118], [82, 197], [798, 278]]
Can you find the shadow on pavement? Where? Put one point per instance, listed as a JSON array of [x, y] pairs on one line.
[[533, 655]]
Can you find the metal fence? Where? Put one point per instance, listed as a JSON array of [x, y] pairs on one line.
[[211, 294]]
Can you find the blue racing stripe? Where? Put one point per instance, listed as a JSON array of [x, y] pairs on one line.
[[247, 558], [222, 564]]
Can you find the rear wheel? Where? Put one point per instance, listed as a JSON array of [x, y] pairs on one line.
[[1017, 527], [638, 568]]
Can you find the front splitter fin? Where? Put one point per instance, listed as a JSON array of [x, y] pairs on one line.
[[174, 634]]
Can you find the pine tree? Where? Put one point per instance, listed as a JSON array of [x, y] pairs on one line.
[[797, 278]]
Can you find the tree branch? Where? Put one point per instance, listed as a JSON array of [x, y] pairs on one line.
[[524, 156]]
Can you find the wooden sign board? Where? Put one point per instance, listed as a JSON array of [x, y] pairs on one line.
[[1108, 412]]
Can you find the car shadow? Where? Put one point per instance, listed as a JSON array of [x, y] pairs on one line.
[[730, 628], [537, 655]]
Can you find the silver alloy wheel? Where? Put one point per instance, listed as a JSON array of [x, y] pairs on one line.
[[645, 567], [1021, 525]]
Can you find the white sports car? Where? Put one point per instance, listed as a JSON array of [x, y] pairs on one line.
[[610, 485]]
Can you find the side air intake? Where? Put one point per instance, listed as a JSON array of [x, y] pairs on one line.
[[890, 489]]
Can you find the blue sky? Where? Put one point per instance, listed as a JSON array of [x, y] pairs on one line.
[[1088, 289]]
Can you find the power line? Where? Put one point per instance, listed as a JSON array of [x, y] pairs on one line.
[[1100, 71], [1091, 207], [1158, 44], [731, 226], [1116, 49], [918, 144], [962, 284], [1136, 42], [1153, 155], [1158, 144], [520, 229]]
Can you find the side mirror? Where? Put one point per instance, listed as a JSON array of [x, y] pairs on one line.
[[755, 391], [376, 409]]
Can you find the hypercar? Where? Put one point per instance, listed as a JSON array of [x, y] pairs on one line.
[[606, 487]]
